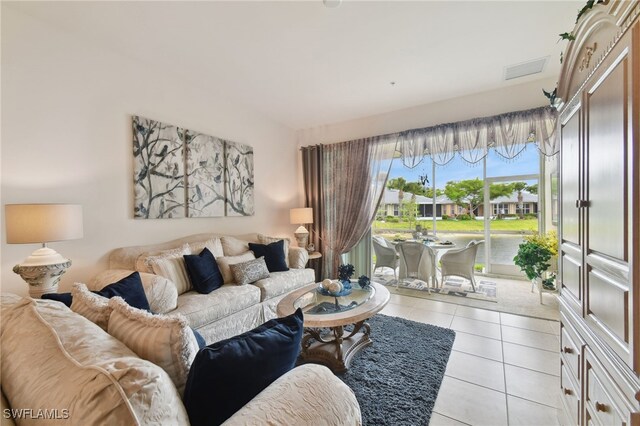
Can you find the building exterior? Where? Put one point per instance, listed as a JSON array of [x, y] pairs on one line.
[[506, 206]]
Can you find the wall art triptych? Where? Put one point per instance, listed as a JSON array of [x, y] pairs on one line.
[[182, 173]]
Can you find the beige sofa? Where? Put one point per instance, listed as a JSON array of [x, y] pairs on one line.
[[60, 368], [225, 312]]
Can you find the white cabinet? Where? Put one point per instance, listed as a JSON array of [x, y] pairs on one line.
[[600, 218]]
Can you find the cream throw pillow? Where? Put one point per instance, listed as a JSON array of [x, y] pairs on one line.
[[263, 239], [170, 264], [225, 262], [214, 245], [165, 340], [233, 246], [92, 306]]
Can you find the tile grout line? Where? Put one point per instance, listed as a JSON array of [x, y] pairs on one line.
[[449, 417], [504, 375]]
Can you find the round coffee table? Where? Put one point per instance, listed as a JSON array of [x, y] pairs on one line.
[[325, 339]]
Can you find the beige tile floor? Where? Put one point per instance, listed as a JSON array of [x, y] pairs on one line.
[[503, 370]]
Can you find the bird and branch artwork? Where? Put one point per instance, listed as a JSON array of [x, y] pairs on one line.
[[159, 170], [239, 179], [205, 175], [182, 173]]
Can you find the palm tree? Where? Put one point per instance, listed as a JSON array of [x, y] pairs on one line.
[[520, 186]]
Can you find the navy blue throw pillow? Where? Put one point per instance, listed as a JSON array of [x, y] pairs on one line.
[[129, 288], [199, 339], [227, 375], [203, 271], [65, 298], [273, 255]]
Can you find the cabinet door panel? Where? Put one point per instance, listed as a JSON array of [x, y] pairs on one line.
[[570, 173], [607, 163], [571, 271], [609, 304]]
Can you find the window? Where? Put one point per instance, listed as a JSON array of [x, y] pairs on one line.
[[396, 210], [500, 209]]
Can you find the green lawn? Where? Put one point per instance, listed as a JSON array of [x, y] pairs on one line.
[[526, 225]]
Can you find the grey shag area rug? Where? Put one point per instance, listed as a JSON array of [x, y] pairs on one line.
[[397, 378]]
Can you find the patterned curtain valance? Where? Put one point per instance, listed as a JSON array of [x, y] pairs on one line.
[[507, 134]]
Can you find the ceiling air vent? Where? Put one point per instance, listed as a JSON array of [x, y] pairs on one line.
[[525, 68]]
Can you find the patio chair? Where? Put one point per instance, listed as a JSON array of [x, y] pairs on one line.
[[386, 255], [460, 262], [417, 261]]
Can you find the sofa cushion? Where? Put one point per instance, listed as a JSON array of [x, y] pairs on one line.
[[286, 401], [264, 239], [170, 264], [225, 261], [280, 283], [250, 271], [273, 254], [92, 306], [55, 358], [165, 340], [214, 245], [203, 309], [161, 293], [228, 374], [203, 271], [233, 246]]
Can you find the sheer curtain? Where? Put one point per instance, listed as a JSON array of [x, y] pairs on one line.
[[344, 183], [507, 134]]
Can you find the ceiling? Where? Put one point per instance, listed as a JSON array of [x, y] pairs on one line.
[[306, 65]]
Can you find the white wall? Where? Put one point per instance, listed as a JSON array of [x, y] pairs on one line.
[[66, 138], [512, 98]]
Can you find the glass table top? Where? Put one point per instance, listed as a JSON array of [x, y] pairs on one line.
[[314, 303]]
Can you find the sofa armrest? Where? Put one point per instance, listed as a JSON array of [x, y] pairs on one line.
[[298, 257], [307, 395], [161, 293], [5, 420]]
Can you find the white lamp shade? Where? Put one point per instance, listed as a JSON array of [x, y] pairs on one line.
[[301, 215], [42, 223]]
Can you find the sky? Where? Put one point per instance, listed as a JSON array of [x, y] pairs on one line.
[[458, 169]]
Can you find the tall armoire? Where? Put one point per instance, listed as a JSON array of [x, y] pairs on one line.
[[600, 218]]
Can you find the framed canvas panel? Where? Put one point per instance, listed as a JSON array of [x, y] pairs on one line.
[[158, 171], [205, 175], [238, 179]]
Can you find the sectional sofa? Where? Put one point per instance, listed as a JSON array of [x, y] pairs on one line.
[[57, 363], [60, 368], [225, 312]]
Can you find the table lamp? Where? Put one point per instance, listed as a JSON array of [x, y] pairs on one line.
[[42, 223], [301, 216]]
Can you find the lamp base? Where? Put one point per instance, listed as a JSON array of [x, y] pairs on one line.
[[302, 236], [42, 278]]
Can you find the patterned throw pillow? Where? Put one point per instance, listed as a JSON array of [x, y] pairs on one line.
[[264, 239], [92, 306], [170, 264], [250, 272], [165, 340], [225, 262]]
